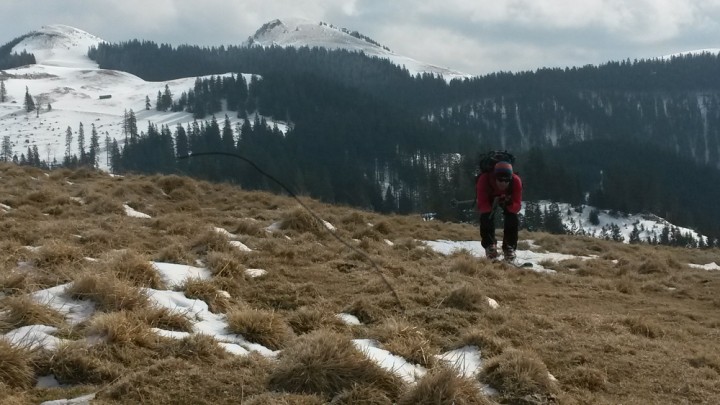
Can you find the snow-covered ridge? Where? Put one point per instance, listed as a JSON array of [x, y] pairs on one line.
[[623, 227], [70, 89], [713, 51], [297, 32], [56, 45], [301, 32]]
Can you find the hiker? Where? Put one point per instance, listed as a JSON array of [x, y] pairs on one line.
[[499, 188]]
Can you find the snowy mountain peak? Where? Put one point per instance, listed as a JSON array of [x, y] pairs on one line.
[[59, 45], [301, 32], [298, 32]]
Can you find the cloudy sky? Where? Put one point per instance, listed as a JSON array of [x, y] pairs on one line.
[[472, 36]]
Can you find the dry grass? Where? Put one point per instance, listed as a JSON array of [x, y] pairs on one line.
[[402, 338], [56, 253], [489, 345], [362, 394], [248, 227], [466, 298], [365, 310], [284, 399], [299, 221], [175, 253], [643, 327], [210, 241], [122, 328], [217, 301], [267, 328], [519, 375], [634, 326], [108, 292], [196, 348], [465, 264], [76, 363], [307, 319], [19, 311], [444, 386], [16, 369], [228, 381], [163, 318], [15, 282], [327, 364], [168, 184], [223, 264], [135, 269]]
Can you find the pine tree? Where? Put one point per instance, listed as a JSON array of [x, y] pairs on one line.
[[228, 142], [635, 235], [36, 157], [94, 146], [7, 152], [132, 129], [81, 143], [405, 204], [553, 220], [533, 218], [29, 104], [166, 99], [108, 144], [3, 90], [68, 145], [147, 102], [665, 236], [115, 158], [159, 102], [126, 130], [389, 204]]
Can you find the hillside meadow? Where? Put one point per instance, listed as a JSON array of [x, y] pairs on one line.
[[634, 324]]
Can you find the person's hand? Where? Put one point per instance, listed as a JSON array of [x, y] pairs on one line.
[[504, 200]]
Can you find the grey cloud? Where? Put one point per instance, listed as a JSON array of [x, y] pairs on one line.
[[474, 36]]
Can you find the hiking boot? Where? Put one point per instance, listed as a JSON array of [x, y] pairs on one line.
[[509, 253], [491, 252]]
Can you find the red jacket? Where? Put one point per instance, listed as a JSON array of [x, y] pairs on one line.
[[487, 191]]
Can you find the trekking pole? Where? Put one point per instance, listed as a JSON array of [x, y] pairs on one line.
[[495, 205], [458, 204]]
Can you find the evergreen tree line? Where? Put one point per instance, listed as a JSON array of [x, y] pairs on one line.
[[684, 122], [636, 178], [673, 102], [395, 85], [157, 150], [10, 60]]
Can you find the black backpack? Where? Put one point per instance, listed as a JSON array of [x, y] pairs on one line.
[[488, 160]]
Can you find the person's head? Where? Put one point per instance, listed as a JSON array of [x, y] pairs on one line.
[[503, 174]]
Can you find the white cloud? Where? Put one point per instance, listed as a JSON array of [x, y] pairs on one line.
[[475, 36]]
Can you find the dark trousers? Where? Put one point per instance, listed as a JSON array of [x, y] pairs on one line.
[[510, 231]]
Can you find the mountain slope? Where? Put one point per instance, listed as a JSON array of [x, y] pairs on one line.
[[102, 273], [59, 45], [67, 86], [296, 32]]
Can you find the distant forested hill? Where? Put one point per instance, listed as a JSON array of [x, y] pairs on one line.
[[366, 132]]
